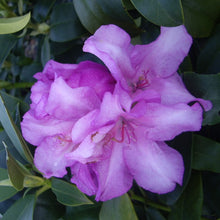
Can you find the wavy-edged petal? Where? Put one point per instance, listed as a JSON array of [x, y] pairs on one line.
[[84, 176], [93, 75], [114, 178], [173, 91], [155, 166], [66, 103], [112, 45], [163, 56], [165, 122], [49, 156], [35, 130]]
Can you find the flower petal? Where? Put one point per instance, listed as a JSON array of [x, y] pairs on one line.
[[173, 91], [94, 75], [84, 177], [165, 122], [113, 177], [163, 56], [91, 148], [112, 45], [67, 103], [49, 156], [155, 166], [54, 69], [35, 130]]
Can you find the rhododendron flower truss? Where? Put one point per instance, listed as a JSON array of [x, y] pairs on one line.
[[109, 123]]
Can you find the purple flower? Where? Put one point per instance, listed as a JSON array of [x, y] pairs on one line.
[[113, 131]]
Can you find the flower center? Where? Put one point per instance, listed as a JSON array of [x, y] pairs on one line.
[[142, 82], [124, 132]]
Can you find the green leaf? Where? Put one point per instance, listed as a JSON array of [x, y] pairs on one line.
[[212, 192], [65, 25], [45, 51], [5, 191], [206, 154], [21, 210], [41, 9], [206, 87], [7, 42], [93, 14], [48, 208], [153, 214], [68, 194], [119, 208], [13, 133], [189, 206], [85, 212], [16, 171], [11, 25], [200, 16], [208, 60], [160, 12]]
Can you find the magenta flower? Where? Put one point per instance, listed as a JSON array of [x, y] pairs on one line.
[[113, 131]]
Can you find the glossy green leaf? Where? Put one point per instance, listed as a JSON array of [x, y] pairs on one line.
[[21, 210], [118, 208], [7, 42], [160, 12], [206, 154], [16, 172], [85, 212], [208, 60], [68, 194], [212, 192], [200, 16], [11, 25], [5, 191], [13, 132], [65, 25], [41, 9], [206, 87], [45, 51], [189, 206], [93, 14], [48, 208], [153, 214]]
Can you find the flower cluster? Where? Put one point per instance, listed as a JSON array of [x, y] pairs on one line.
[[109, 123]]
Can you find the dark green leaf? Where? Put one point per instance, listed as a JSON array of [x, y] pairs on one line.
[[13, 132], [68, 194], [84, 212], [206, 87], [189, 205], [41, 9], [200, 16], [118, 208], [29, 70], [160, 12], [65, 25], [7, 42], [5, 191], [93, 14], [45, 51], [21, 210], [208, 60], [47, 207], [153, 214], [16, 172], [212, 192], [206, 154]]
